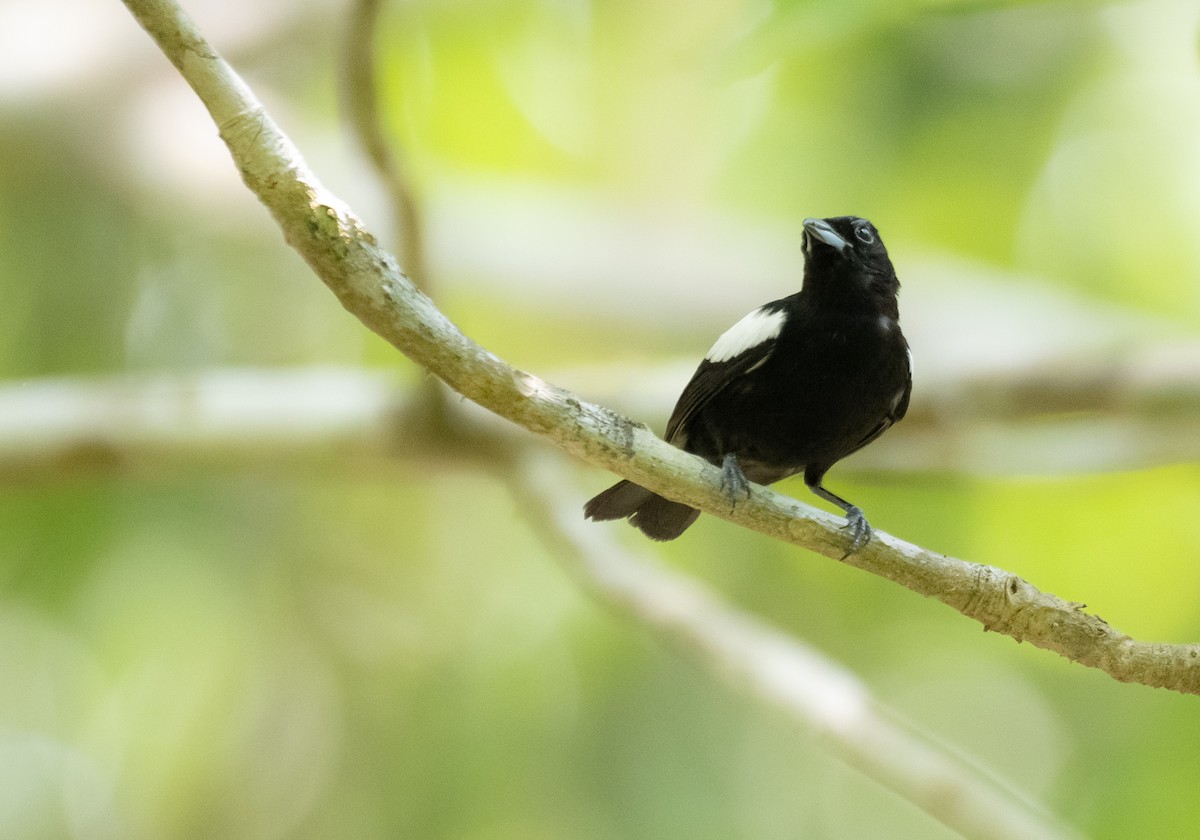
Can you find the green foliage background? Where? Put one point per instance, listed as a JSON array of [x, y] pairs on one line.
[[270, 653]]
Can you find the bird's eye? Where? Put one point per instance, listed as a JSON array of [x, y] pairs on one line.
[[864, 235]]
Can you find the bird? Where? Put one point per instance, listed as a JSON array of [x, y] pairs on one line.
[[793, 387]]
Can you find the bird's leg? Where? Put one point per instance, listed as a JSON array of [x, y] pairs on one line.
[[856, 522], [733, 480]]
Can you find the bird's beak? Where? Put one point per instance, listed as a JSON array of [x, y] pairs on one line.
[[820, 229]]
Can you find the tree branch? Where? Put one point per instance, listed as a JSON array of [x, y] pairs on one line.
[[369, 284]]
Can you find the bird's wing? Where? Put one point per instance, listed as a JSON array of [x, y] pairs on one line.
[[709, 380], [739, 350]]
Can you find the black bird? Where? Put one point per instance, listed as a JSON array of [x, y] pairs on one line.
[[795, 386]]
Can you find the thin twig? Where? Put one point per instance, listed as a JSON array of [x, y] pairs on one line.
[[361, 93]]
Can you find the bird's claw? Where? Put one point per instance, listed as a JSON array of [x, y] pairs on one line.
[[859, 528], [733, 481]]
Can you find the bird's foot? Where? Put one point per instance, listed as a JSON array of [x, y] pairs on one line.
[[734, 481], [859, 528]]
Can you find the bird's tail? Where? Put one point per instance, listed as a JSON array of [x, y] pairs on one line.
[[654, 516]]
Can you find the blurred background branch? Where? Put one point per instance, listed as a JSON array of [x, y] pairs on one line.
[[349, 417], [360, 92]]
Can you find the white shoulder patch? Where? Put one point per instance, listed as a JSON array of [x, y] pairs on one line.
[[759, 326]]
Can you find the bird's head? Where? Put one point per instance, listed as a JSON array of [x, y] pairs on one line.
[[847, 254]]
